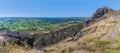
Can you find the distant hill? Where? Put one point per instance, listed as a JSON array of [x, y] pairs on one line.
[[35, 23]]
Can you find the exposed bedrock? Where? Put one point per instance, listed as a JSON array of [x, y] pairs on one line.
[[40, 40], [15, 38], [99, 15], [56, 36]]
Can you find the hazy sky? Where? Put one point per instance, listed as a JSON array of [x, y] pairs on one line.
[[53, 8]]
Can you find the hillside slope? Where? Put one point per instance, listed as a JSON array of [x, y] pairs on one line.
[[101, 34]]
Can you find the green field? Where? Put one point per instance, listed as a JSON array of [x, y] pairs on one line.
[[35, 23]]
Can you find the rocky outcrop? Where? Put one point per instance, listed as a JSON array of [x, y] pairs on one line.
[[100, 12], [2, 43], [56, 36], [99, 15], [15, 38], [42, 39]]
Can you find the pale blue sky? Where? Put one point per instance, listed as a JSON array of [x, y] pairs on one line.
[[53, 8]]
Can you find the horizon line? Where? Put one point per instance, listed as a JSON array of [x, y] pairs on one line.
[[39, 16]]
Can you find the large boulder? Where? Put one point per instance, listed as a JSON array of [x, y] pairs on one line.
[[100, 12], [99, 15], [2, 40], [16, 38]]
